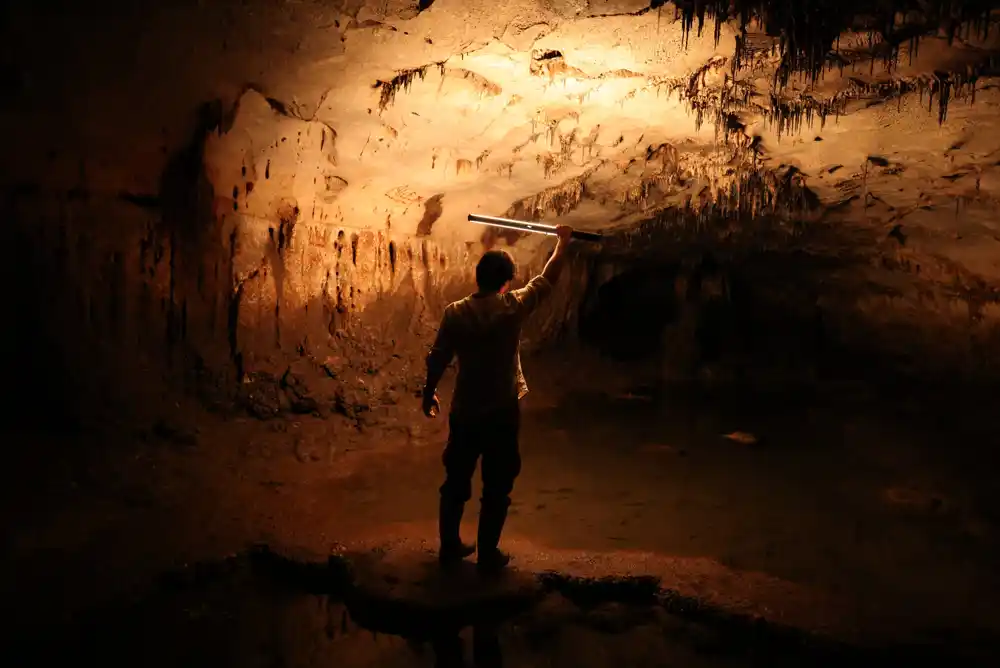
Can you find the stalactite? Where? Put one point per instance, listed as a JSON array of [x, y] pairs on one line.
[[402, 81], [754, 204], [808, 33], [482, 158], [560, 199]]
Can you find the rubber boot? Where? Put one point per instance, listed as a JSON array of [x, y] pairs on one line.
[[492, 517], [452, 548]]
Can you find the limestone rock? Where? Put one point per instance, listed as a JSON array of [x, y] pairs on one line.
[[320, 210], [262, 397]]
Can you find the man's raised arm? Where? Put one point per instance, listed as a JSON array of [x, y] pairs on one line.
[[532, 294], [553, 268]]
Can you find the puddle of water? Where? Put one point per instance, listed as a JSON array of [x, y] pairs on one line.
[[264, 610]]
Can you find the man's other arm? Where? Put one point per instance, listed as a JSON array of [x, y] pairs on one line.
[[538, 288], [438, 359]]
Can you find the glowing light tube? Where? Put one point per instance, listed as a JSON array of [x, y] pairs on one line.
[[523, 226]]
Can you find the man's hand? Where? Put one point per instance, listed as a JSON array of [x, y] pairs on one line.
[[553, 267], [564, 233], [431, 404]]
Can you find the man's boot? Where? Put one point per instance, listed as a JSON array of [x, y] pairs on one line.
[[452, 548], [492, 517]]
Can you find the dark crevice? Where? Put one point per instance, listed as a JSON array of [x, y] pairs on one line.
[[339, 244], [288, 215], [143, 201], [187, 220], [276, 105], [432, 212], [233, 311], [233, 324], [281, 241]]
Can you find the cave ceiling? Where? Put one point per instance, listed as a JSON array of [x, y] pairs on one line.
[[602, 113]]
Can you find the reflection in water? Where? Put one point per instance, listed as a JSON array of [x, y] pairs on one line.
[[449, 650]]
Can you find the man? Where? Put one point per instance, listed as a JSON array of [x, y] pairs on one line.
[[483, 331]]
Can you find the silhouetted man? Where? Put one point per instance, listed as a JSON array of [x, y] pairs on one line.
[[483, 331]]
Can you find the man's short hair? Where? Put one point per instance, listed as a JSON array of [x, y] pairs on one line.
[[495, 268]]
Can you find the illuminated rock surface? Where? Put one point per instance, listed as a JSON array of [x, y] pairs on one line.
[[226, 187]]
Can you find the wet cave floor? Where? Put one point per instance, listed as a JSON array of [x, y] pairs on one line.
[[852, 529]]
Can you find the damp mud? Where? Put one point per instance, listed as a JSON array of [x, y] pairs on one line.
[[394, 607], [699, 527]]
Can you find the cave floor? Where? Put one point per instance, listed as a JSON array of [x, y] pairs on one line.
[[867, 522]]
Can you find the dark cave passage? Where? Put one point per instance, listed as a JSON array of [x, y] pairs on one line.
[[625, 316], [742, 316]]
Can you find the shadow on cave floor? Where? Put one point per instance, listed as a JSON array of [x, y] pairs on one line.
[[843, 516]]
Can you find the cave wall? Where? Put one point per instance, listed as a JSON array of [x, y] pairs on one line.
[[830, 302], [181, 214], [173, 228], [244, 296]]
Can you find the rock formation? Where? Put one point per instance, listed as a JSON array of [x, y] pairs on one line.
[[265, 201]]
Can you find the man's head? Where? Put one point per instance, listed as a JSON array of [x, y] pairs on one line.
[[494, 271]]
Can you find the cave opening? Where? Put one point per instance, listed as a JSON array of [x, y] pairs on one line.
[[746, 321], [624, 317], [630, 316]]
